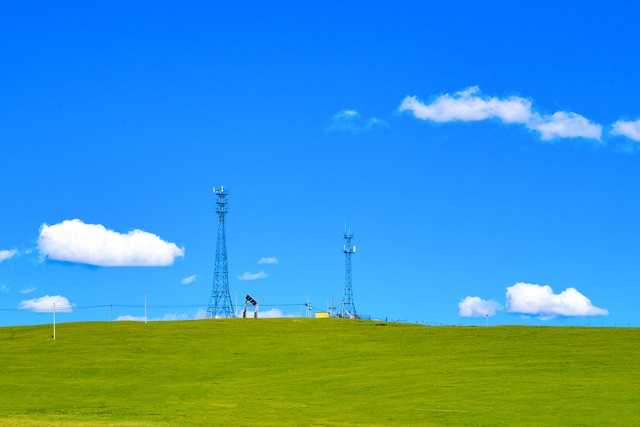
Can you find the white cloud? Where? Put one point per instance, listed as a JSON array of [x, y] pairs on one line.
[[200, 314], [629, 129], [45, 304], [130, 318], [93, 244], [6, 254], [477, 307], [268, 260], [28, 290], [536, 300], [252, 276], [174, 316], [564, 125], [467, 106], [470, 105], [166, 318], [351, 121], [272, 313], [189, 280], [4, 289]]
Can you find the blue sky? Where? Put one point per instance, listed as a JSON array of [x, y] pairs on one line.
[[486, 157]]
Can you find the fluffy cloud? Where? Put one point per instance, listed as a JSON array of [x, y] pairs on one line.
[[189, 280], [166, 318], [252, 276], [351, 121], [469, 105], [6, 254], [477, 307], [272, 313], [629, 129], [536, 300], [45, 304], [268, 260], [93, 244], [564, 125]]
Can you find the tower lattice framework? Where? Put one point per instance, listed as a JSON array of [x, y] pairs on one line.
[[220, 304], [348, 307]]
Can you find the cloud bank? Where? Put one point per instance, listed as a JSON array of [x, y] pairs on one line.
[[45, 304], [268, 260], [273, 313], [7, 254], [536, 300], [252, 276], [470, 105], [352, 122], [93, 244], [165, 318], [477, 307]]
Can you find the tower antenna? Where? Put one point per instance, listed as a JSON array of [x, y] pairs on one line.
[[220, 304], [348, 307]]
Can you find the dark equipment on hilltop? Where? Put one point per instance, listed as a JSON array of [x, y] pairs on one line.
[[249, 300]]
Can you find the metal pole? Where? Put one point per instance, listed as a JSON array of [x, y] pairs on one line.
[[54, 320]]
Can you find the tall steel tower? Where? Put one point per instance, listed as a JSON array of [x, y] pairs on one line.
[[348, 307], [220, 304]]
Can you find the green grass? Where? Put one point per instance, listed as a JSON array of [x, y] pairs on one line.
[[317, 372]]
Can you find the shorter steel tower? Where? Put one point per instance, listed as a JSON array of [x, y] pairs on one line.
[[220, 304], [348, 307]]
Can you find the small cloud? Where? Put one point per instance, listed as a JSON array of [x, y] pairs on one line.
[[174, 316], [28, 290], [93, 244], [200, 314], [45, 304], [7, 254], [564, 125], [273, 313], [189, 280], [477, 307], [350, 121], [540, 301], [4, 289], [268, 260], [629, 129], [470, 105], [252, 276], [166, 318]]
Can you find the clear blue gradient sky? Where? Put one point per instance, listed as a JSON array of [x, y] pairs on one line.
[[472, 147]]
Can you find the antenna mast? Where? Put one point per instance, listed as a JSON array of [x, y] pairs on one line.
[[220, 304], [348, 307]]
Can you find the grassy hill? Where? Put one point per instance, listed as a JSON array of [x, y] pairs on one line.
[[317, 372]]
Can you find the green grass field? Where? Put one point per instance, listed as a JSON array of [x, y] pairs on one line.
[[317, 372]]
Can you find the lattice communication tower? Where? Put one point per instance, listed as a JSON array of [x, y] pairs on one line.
[[220, 304], [348, 307]]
